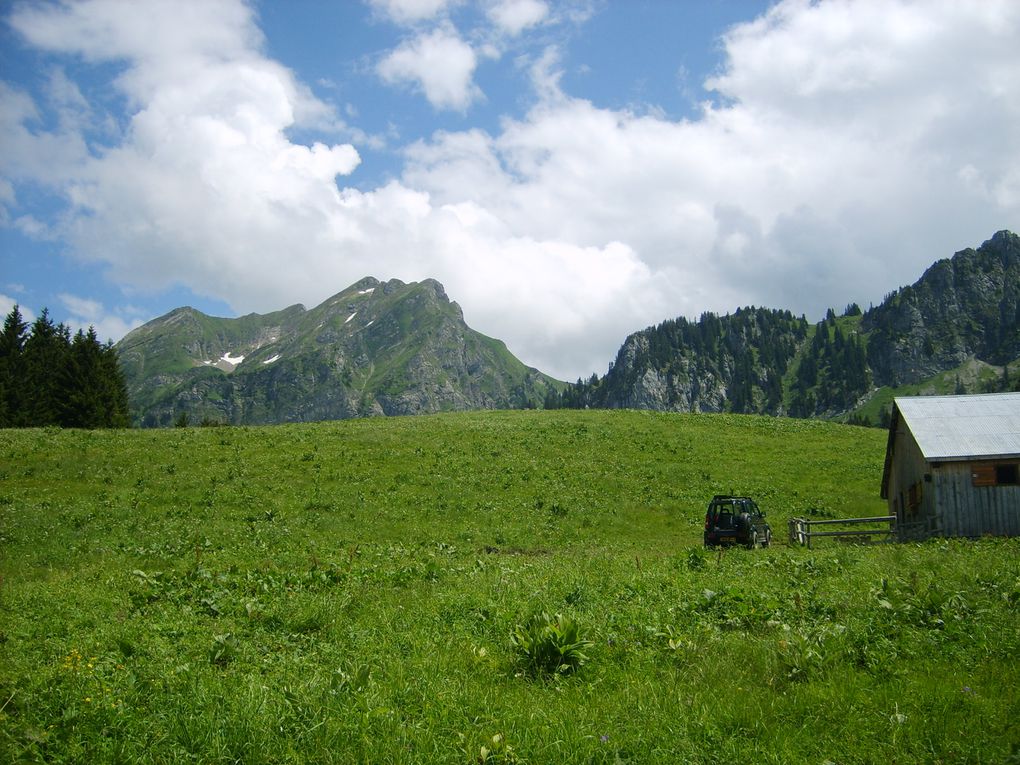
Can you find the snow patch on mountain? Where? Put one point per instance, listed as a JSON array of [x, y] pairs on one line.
[[226, 362]]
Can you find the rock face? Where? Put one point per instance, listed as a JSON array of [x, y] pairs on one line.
[[374, 349], [716, 364], [967, 306], [671, 390]]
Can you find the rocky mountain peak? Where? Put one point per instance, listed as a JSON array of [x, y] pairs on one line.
[[373, 348]]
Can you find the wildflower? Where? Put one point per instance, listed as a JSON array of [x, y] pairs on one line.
[[604, 738]]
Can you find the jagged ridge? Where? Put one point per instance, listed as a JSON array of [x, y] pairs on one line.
[[963, 311]]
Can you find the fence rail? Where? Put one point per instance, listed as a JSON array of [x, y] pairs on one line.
[[801, 533]]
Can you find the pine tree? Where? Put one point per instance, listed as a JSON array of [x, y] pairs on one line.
[[81, 380], [12, 349], [48, 378], [116, 409], [45, 355]]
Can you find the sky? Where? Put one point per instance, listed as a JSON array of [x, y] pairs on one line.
[[571, 170]]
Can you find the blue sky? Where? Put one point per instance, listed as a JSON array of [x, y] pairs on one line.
[[571, 171]]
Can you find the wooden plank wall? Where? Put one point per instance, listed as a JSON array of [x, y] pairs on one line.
[[971, 511]]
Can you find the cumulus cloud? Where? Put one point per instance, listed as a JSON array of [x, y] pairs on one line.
[[514, 16], [411, 11], [843, 150], [30, 153], [439, 63], [841, 134], [205, 168]]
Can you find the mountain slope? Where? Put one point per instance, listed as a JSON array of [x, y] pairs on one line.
[[963, 311], [734, 362], [375, 348], [967, 306]]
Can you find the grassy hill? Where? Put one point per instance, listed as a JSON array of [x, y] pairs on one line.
[[348, 591]]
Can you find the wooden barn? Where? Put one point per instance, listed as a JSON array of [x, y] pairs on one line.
[[952, 466]]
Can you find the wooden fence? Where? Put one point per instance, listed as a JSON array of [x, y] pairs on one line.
[[801, 529]]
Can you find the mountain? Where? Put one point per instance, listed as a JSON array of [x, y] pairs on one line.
[[967, 306], [957, 327], [717, 363], [375, 348]]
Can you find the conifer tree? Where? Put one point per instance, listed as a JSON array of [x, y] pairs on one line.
[[81, 405], [48, 378], [12, 349], [117, 413], [45, 355]]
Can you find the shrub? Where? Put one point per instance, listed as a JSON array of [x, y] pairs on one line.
[[550, 644]]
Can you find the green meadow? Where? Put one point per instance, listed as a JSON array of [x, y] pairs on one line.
[[367, 591]]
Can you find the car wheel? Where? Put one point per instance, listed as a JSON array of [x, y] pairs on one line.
[[753, 541], [768, 539]]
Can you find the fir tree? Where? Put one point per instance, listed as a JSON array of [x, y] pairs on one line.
[[82, 405], [45, 355], [116, 409], [48, 378], [12, 349]]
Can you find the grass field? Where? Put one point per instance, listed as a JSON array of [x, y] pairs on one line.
[[349, 592]]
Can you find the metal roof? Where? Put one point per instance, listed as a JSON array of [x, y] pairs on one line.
[[964, 427]]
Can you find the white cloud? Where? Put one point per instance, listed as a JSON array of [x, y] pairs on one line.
[[205, 169], [83, 313], [50, 158], [839, 142], [514, 16], [439, 63], [34, 228], [175, 33], [412, 11], [7, 304], [847, 150]]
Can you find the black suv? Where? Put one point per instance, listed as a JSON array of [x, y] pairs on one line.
[[736, 521]]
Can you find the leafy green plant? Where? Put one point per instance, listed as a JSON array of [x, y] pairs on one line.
[[697, 558], [351, 679], [497, 750], [802, 655], [224, 650], [550, 644]]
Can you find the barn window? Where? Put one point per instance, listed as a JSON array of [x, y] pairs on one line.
[[1007, 475], [1001, 474]]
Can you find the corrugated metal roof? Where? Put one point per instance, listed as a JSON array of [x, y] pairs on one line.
[[964, 427]]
